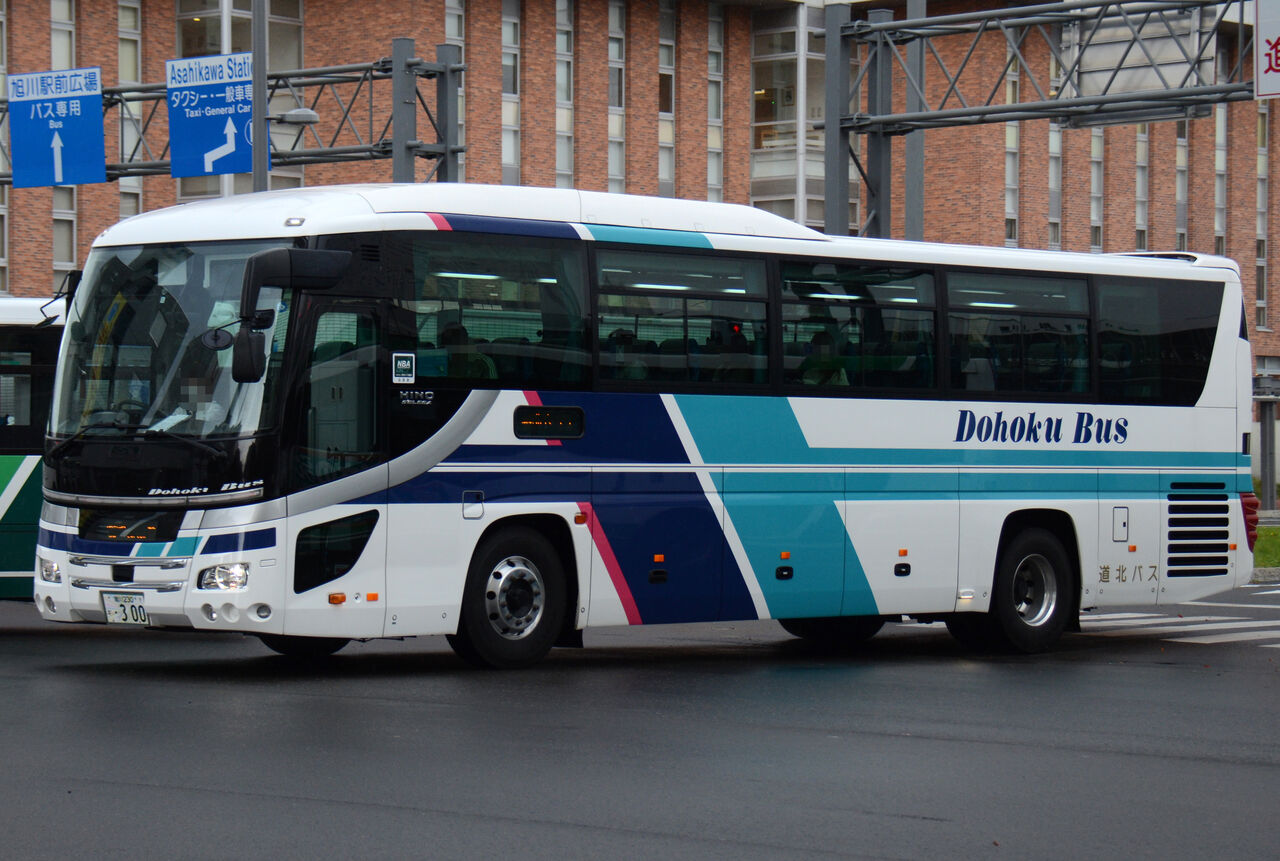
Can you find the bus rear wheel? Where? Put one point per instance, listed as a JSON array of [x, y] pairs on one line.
[[302, 647], [834, 632], [513, 604], [1031, 600]]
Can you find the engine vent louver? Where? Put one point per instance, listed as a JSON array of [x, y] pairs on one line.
[[1199, 529]]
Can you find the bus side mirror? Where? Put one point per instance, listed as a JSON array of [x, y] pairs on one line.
[[299, 268], [249, 355]]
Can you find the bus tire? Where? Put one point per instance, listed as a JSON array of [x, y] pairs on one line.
[[835, 632], [304, 648], [1031, 599], [513, 604]]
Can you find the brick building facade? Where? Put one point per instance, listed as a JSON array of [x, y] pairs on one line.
[[738, 125]]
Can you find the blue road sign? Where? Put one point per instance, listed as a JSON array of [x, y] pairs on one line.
[[210, 114], [55, 121]]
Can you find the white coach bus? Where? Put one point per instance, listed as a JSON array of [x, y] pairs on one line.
[[509, 414]]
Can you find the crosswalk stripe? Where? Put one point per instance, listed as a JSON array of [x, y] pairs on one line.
[[1238, 637], [1092, 624], [1207, 626], [1099, 617]]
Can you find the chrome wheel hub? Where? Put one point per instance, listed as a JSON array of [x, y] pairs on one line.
[[513, 597], [1035, 590]]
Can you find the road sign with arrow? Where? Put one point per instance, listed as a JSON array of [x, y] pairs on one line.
[[210, 103], [56, 124]]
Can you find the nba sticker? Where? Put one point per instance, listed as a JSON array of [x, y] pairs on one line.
[[402, 368]]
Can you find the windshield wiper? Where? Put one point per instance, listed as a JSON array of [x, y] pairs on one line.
[[217, 453], [146, 432], [53, 452]]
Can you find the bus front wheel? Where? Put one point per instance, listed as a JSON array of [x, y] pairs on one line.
[[1031, 598], [513, 603]]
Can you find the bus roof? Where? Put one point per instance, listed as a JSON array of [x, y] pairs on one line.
[[28, 311], [591, 215], [355, 208]]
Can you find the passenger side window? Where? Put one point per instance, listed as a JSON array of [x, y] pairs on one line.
[[27, 357], [1018, 333], [1155, 339], [850, 325], [681, 318], [499, 315]]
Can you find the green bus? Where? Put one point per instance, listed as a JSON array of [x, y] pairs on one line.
[[30, 330]]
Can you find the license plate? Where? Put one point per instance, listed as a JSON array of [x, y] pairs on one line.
[[124, 609]]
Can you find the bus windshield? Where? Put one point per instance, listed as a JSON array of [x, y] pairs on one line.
[[147, 349]]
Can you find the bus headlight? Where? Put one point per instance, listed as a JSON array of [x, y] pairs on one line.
[[49, 571], [230, 575]]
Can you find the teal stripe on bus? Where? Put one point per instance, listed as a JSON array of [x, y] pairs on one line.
[[767, 432], [648, 236]]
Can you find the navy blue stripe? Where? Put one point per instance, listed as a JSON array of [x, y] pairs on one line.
[[511, 226], [72, 543], [231, 543]]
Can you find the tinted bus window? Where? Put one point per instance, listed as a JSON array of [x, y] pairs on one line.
[[1155, 339], [493, 313], [681, 318], [1018, 333], [848, 325]]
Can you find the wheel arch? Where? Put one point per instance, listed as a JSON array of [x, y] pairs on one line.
[[556, 530], [1062, 526]]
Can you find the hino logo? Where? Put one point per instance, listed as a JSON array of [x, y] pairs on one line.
[[176, 491]]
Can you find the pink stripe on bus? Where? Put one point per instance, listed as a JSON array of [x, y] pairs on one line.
[[439, 221], [611, 565], [536, 401]]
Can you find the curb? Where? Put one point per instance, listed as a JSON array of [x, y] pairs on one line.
[[1265, 575]]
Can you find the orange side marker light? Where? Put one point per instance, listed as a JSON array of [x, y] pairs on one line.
[[336, 598]]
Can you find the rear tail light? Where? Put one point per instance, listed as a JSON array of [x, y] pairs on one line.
[[1249, 504]]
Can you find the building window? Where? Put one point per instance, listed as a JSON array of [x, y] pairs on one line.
[[455, 28], [1180, 183], [564, 93], [62, 38], [617, 95], [715, 102], [129, 32], [775, 84], [1141, 192], [64, 233], [1055, 186], [1012, 144], [1097, 147], [511, 92], [666, 97]]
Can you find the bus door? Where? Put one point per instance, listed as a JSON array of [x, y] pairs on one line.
[[337, 527]]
